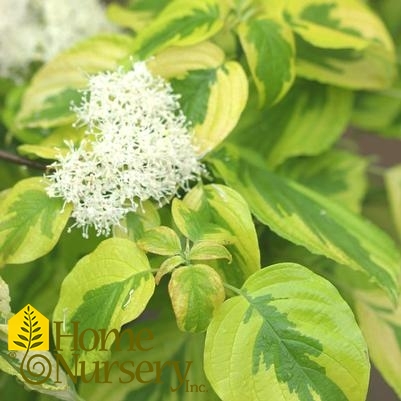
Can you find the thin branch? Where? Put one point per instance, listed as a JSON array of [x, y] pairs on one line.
[[12, 158]]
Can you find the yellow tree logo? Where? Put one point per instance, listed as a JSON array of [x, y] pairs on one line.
[[28, 330]]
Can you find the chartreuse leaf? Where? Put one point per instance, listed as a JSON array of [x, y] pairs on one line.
[[205, 210], [195, 292], [169, 349], [42, 363], [288, 335], [46, 102], [44, 152], [337, 174], [212, 99], [393, 186], [208, 250], [342, 42], [309, 119], [201, 56], [181, 24], [307, 218], [31, 222], [135, 20], [380, 323], [270, 51], [168, 266], [54, 144], [105, 290], [161, 241]]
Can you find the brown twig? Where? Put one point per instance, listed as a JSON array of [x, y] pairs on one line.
[[12, 158]]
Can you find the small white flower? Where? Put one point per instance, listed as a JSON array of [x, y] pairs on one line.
[[138, 146], [37, 30]]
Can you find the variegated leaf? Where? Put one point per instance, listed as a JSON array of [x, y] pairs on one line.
[[286, 336]]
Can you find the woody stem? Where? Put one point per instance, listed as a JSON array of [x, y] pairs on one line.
[[12, 158]]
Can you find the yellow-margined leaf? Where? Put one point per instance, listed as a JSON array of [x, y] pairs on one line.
[[287, 336], [31, 222], [270, 51], [380, 323], [46, 102], [181, 23], [195, 292]]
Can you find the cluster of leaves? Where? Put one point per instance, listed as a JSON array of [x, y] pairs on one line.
[[272, 256]]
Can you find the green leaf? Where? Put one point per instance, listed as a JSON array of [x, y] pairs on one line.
[[209, 250], [337, 174], [307, 218], [31, 222], [205, 208], [288, 335], [105, 290], [380, 323], [171, 348], [212, 100], [270, 51], [307, 121], [161, 241], [180, 24], [195, 292], [46, 102]]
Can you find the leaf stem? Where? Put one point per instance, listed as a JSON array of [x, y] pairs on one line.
[[236, 290], [12, 158]]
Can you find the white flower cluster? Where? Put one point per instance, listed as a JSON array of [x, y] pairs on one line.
[[137, 146], [37, 30]]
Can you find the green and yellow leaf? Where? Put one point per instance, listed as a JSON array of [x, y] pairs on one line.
[[46, 102], [179, 354], [105, 290], [287, 336], [342, 42], [337, 174], [213, 99], [218, 214], [31, 223], [161, 241], [309, 119], [181, 24], [338, 24], [380, 323], [195, 292], [270, 51], [310, 219], [393, 186]]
